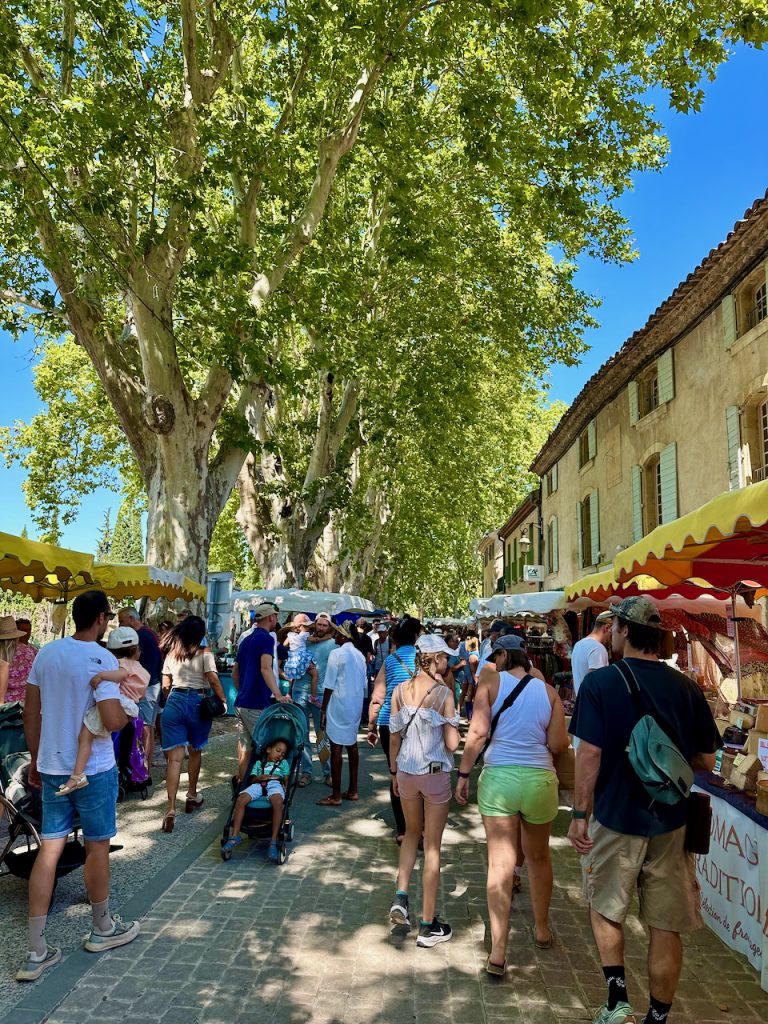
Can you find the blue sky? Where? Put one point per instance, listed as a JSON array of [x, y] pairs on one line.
[[718, 166]]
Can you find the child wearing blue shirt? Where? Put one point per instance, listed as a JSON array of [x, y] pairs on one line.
[[267, 779]]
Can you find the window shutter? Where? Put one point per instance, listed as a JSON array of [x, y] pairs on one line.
[[594, 522], [728, 307], [554, 478], [634, 403], [733, 432], [665, 370], [668, 463], [514, 563], [555, 547], [578, 534], [637, 503], [591, 441]]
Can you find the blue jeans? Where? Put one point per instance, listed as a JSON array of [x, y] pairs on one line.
[[301, 698], [182, 723], [95, 804]]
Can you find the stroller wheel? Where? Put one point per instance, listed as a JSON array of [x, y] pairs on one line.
[[226, 854], [282, 854], [224, 836], [289, 831], [120, 793]]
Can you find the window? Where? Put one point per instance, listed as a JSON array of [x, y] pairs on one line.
[[648, 392], [655, 386], [550, 481], [583, 450], [587, 444], [652, 494], [552, 547], [747, 306], [588, 530], [758, 309]]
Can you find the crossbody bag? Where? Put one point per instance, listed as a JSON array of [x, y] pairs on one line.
[[508, 702]]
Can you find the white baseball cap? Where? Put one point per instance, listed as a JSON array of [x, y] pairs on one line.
[[430, 643], [122, 639]]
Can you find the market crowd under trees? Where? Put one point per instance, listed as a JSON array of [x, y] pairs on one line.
[[305, 265]]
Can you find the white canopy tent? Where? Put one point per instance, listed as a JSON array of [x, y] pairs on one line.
[[309, 601]]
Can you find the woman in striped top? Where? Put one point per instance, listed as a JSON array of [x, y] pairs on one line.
[[397, 668], [424, 735]]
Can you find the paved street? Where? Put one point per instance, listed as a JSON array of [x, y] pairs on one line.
[[246, 942]]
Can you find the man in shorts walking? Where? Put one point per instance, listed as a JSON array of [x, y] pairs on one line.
[[628, 845], [59, 693]]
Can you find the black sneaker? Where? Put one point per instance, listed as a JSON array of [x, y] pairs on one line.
[[398, 912], [431, 934]]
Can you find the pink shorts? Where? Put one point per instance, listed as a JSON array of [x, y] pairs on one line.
[[433, 789]]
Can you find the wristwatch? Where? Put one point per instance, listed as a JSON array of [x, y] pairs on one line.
[[463, 775], [578, 815]]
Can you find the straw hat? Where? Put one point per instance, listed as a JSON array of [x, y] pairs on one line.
[[343, 631], [8, 628]]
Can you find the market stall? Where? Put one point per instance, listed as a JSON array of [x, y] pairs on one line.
[[309, 601], [723, 546]]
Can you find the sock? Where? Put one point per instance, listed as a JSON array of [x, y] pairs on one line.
[[657, 1012], [102, 920], [37, 943], [401, 892], [616, 979]]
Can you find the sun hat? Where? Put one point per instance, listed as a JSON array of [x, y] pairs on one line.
[[122, 639], [300, 619], [8, 628], [263, 611], [639, 610], [509, 642], [606, 616], [431, 643], [343, 630]]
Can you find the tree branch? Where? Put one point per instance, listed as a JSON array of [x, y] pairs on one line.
[[67, 46], [12, 297]]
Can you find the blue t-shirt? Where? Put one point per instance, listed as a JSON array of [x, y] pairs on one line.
[[150, 655], [254, 692], [321, 651], [396, 674], [605, 716]]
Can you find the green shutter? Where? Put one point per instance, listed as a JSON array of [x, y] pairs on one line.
[[530, 558], [666, 376], [733, 432], [594, 522], [637, 503], [555, 547], [728, 308], [668, 463], [591, 439], [515, 576], [578, 534], [554, 478], [634, 403]]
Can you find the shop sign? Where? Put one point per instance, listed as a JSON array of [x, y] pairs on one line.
[[733, 878], [533, 573]]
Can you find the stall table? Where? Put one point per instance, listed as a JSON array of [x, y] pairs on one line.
[[733, 876]]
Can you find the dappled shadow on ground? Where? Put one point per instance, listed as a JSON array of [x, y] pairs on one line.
[[245, 941]]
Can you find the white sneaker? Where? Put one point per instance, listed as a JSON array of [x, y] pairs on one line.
[[35, 965]]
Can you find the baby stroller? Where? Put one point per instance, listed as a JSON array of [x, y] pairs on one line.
[[130, 757], [21, 805], [280, 721]]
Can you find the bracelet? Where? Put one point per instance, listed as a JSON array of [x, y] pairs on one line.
[[392, 772], [578, 815], [463, 775]]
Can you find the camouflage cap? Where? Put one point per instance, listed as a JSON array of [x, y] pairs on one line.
[[640, 610]]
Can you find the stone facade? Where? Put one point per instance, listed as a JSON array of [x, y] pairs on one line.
[[522, 545]]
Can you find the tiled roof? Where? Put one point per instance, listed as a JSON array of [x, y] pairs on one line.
[[692, 300]]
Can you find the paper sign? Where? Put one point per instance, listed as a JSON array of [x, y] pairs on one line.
[[762, 753]]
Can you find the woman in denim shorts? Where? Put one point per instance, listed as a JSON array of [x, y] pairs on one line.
[[189, 674]]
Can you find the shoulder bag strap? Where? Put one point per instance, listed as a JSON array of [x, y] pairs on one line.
[[635, 692], [509, 701], [412, 673]]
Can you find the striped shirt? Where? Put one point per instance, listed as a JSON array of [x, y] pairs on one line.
[[396, 674], [423, 742]]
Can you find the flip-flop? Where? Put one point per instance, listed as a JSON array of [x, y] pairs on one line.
[[497, 970], [350, 796], [328, 801], [548, 943]]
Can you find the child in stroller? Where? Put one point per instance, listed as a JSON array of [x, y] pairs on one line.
[[274, 764], [267, 780], [133, 681]]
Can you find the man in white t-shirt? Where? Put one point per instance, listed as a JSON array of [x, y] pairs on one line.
[[592, 652], [59, 693]]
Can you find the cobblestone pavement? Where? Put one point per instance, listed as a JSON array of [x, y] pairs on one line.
[[246, 942]]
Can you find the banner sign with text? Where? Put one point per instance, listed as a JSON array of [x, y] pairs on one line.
[[734, 884]]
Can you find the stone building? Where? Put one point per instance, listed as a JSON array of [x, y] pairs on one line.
[[522, 546], [678, 415]]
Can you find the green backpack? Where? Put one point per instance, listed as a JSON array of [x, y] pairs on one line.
[[663, 771]]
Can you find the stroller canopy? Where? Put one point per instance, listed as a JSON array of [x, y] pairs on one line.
[[281, 721]]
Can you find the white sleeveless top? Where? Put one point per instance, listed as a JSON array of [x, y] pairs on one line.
[[520, 738]]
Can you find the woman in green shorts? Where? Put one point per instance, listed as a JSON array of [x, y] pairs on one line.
[[518, 784]]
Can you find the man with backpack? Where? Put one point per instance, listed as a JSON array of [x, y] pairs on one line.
[[636, 837]]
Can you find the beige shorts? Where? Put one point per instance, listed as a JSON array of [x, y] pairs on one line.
[[657, 866], [247, 719]]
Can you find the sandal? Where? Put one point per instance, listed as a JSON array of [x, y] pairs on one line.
[[168, 821], [328, 801], [305, 780], [231, 844], [497, 970], [79, 781], [193, 805], [547, 943]]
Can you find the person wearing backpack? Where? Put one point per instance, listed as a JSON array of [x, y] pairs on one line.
[[643, 729]]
